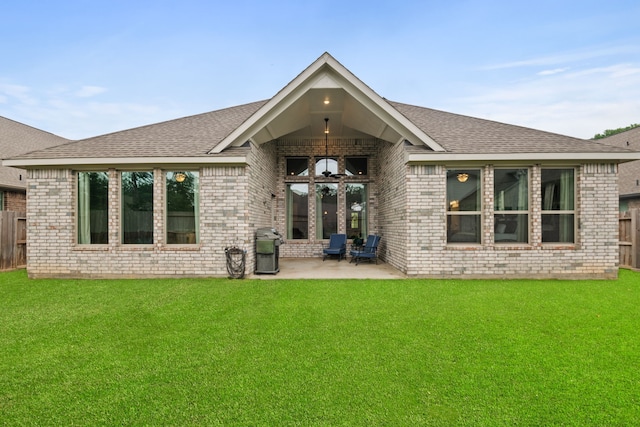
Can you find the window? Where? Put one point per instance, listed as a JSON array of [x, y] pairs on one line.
[[93, 208], [182, 207], [1, 200], [356, 209], [464, 206], [326, 210], [356, 166], [326, 164], [297, 211], [511, 205], [558, 205], [137, 207], [297, 166]]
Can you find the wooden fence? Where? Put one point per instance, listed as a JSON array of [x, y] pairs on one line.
[[13, 240], [629, 238]]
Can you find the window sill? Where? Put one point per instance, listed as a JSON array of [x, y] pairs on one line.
[[181, 247], [559, 246], [90, 247], [464, 246]]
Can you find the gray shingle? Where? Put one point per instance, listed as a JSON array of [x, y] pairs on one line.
[[191, 136], [195, 136], [629, 172], [17, 138], [462, 134]]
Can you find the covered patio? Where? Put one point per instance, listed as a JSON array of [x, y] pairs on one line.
[[315, 268]]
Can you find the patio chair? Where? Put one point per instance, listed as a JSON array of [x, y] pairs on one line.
[[337, 246], [368, 252]]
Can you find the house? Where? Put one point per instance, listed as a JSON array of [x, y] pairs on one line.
[[450, 195], [629, 173], [17, 138]]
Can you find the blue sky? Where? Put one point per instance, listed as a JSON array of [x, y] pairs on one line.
[[84, 68]]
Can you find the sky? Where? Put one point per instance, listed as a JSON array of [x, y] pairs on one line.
[[82, 68]]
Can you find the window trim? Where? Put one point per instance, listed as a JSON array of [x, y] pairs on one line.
[[166, 207], [121, 210], [476, 213], [527, 212], [77, 210], [573, 212]]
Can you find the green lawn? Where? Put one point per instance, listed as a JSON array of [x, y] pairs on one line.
[[316, 352]]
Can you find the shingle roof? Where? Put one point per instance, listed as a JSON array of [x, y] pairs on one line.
[[463, 134], [195, 136], [17, 138], [191, 136], [629, 173]]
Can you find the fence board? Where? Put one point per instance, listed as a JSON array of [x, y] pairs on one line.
[[629, 238], [13, 240]]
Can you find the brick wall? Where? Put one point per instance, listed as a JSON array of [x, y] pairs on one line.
[[407, 208], [52, 251], [15, 201], [393, 197], [262, 203], [595, 253]]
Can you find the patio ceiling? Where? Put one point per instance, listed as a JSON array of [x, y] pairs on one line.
[[304, 118]]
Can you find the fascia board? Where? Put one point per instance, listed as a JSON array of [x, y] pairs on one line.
[[371, 100], [489, 157], [125, 161], [243, 132]]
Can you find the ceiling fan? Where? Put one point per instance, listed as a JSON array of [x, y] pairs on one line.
[[327, 173]]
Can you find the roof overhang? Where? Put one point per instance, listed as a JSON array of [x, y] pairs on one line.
[[326, 89], [522, 157], [83, 163]]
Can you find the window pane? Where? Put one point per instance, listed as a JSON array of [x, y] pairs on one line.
[[511, 190], [182, 207], [511, 228], [463, 229], [298, 167], [137, 207], [558, 228], [558, 189], [356, 165], [297, 211], [356, 221], [326, 210], [93, 203], [463, 190], [326, 164]]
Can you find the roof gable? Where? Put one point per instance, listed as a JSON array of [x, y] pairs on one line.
[[326, 89]]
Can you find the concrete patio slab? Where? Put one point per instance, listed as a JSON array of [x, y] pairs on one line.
[[315, 268]]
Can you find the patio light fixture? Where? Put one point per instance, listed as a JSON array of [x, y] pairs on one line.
[[463, 177], [180, 177]]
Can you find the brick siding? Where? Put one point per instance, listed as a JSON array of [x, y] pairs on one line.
[[15, 201], [407, 207]]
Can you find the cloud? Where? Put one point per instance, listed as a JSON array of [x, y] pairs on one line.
[[89, 91], [18, 92], [568, 57], [579, 103], [552, 72]]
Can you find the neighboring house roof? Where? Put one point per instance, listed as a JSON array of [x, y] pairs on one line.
[[297, 111], [629, 173], [15, 139]]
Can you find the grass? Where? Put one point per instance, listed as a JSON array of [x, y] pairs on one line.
[[315, 352]]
